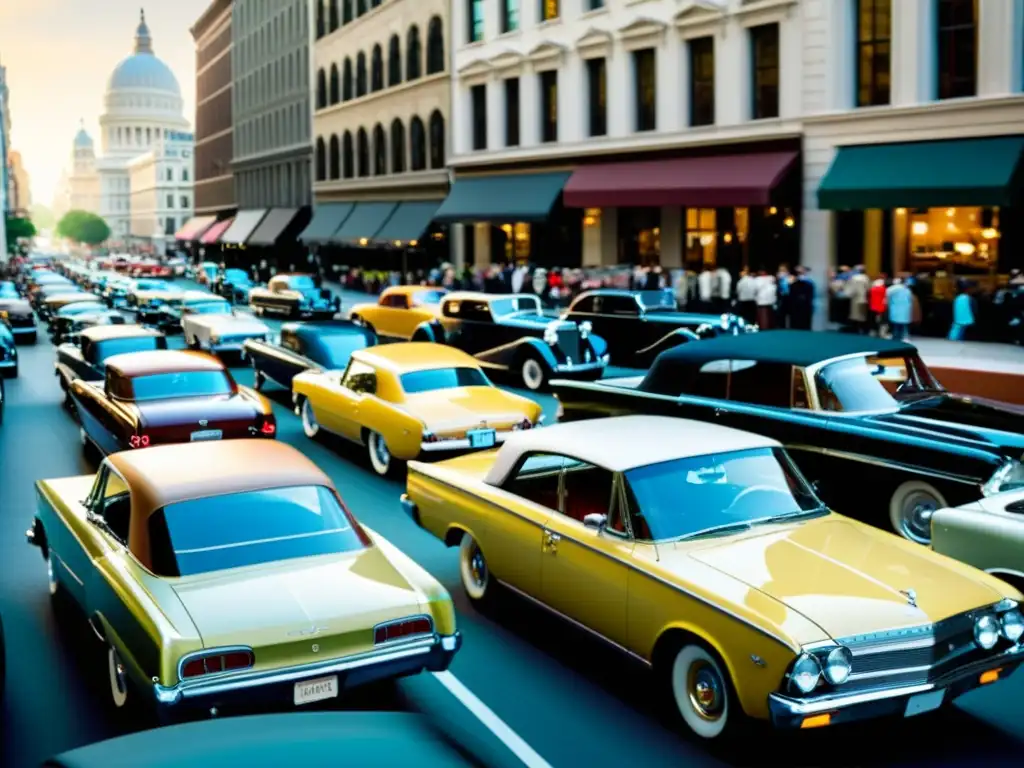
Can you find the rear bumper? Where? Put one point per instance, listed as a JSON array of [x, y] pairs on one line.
[[585, 371], [24, 331], [459, 444]]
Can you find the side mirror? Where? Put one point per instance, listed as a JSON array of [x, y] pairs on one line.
[[595, 520]]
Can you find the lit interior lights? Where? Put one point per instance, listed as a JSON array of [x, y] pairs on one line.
[[789, 221], [919, 228]]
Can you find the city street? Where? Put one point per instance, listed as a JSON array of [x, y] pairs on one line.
[[568, 700]]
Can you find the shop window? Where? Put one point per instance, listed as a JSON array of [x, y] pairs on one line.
[[701, 237], [478, 106], [517, 242], [548, 10], [957, 48], [475, 17], [363, 153], [509, 16], [954, 241], [549, 106], [512, 112], [435, 46], [380, 151], [646, 81], [764, 44], [377, 69], [397, 146], [640, 235], [874, 47], [597, 101], [702, 81]]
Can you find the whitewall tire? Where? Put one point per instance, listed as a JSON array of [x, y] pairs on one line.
[[52, 579], [476, 576], [309, 423], [380, 455], [532, 373], [118, 678], [911, 508], [701, 691]]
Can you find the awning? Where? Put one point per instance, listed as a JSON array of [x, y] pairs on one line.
[[194, 227], [327, 219], [214, 233], [364, 222], [925, 174], [243, 227], [505, 198], [715, 181], [273, 226], [409, 221]]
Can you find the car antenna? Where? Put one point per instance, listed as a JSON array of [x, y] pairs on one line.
[[657, 555]]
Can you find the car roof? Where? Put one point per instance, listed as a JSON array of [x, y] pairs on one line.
[[408, 290], [404, 357], [151, 362], [104, 332], [201, 296], [320, 328], [486, 297], [622, 443], [71, 295]]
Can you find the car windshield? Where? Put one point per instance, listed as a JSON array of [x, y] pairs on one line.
[[337, 348], [235, 275], [241, 529], [153, 285], [701, 494], [427, 298], [162, 386], [868, 383], [443, 378], [658, 301], [111, 347], [207, 307], [302, 283], [522, 305], [81, 307]]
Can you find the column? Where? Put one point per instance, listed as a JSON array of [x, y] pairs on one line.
[[872, 258], [621, 92], [732, 75], [671, 84], [592, 226], [495, 114], [671, 236], [999, 46], [913, 52], [462, 115], [482, 244], [457, 246], [817, 246], [609, 236], [571, 83], [529, 107]]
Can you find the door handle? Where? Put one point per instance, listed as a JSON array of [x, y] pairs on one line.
[[551, 541], [718, 411]]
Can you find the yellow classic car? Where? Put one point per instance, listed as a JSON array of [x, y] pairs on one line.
[[702, 551], [410, 399], [223, 574], [400, 310]]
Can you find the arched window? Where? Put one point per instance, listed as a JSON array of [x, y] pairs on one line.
[[437, 139], [360, 75], [394, 60], [332, 16], [377, 70], [362, 153], [346, 11], [374, 3], [418, 145], [397, 146], [435, 46], [380, 151], [334, 96], [334, 158], [319, 19], [346, 80], [321, 160], [413, 54], [321, 89], [360, 7], [347, 164]]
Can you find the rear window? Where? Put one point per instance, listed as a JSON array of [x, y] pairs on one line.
[[443, 378], [111, 347], [241, 529], [301, 283], [182, 384], [336, 350], [211, 308], [427, 298]]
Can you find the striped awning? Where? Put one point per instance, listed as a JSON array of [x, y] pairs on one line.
[[194, 227]]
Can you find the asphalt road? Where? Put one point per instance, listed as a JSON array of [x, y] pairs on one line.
[[568, 698]]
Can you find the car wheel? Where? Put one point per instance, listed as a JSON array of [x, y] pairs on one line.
[[52, 579], [309, 422], [911, 508], [533, 373], [118, 678], [701, 691], [380, 456], [476, 576]]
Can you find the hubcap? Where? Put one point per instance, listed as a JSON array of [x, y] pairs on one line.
[[916, 521], [705, 689], [532, 374], [380, 450], [308, 419], [478, 567]]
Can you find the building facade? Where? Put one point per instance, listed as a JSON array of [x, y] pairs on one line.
[[214, 180], [83, 181], [161, 193], [20, 183], [381, 98], [6, 179]]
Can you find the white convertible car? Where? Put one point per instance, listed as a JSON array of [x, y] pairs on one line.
[[221, 331]]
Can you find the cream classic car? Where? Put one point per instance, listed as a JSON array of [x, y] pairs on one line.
[[988, 534], [215, 326]]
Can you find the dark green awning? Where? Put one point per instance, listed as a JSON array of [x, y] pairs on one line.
[[409, 221], [364, 222], [327, 219], [507, 198], [925, 174]]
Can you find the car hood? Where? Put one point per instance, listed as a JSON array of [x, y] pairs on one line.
[[176, 411], [848, 578], [466, 407], [538, 323], [230, 324], [1000, 424]]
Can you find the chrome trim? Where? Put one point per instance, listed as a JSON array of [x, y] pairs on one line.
[[219, 651], [460, 443], [65, 566], [876, 462], [677, 332], [401, 640]]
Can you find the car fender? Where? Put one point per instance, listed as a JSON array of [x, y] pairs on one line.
[[402, 431], [598, 345], [431, 330], [673, 338], [515, 353]]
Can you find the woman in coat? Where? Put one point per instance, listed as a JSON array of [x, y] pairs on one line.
[[900, 302]]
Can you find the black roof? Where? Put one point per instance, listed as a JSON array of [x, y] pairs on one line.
[[309, 330]]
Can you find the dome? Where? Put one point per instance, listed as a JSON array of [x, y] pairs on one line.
[[83, 140], [143, 70]]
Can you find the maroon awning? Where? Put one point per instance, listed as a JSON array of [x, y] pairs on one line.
[[718, 181]]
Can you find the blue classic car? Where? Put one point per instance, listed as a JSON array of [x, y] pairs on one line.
[[326, 345], [8, 352], [234, 285], [295, 296], [17, 314]]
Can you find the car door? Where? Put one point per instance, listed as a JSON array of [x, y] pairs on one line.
[[391, 310], [282, 361], [341, 397], [471, 329], [619, 324], [584, 572]]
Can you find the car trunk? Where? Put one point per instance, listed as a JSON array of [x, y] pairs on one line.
[[184, 419]]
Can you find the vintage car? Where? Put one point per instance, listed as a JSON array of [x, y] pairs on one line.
[[8, 352], [168, 315], [85, 356], [988, 534], [178, 266], [96, 281], [214, 585], [206, 273], [39, 280], [41, 292], [234, 285], [51, 305], [150, 268], [511, 333], [640, 325], [221, 332], [148, 293], [8, 290], [294, 296], [167, 396], [115, 290], [326, 345], [703, 552], [863, 418], [411, 399], [18, 315], [400, 310], [63, 320]]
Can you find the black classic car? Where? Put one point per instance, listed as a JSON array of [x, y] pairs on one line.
[[511, 332], [863, 417], [325, 345], [295, 296], [166, 315], [8, 353], [234, 285], [62, 321], [19, 317], [640, 325], [86, 355]]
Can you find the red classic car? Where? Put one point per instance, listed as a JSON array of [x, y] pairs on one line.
[[149, 268], [167, 396]]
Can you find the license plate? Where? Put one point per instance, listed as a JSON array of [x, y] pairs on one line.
[[481, 438], [207, 434], [321, 689], [924, 702]]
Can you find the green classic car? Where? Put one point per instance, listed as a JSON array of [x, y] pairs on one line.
[[231, 575]]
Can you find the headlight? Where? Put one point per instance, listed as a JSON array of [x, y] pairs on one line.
[[806, 673], [1013, 625], [986, 631], [550, 336], [585, 328], [1008, 477], [838, 664], [723, 321]]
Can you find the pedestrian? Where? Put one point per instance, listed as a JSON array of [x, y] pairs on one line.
[[857, 288], [876, 304], [706, 289], [783, 280], [746, 296], [801, 301], [900, 302], [963, 313], [838, 301], [766, 296]]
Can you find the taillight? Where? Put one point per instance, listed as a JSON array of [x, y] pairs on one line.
[[138, 441], [268, 427], [215, 662], [402, 629]]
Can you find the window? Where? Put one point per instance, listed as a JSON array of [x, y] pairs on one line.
[[549, 106], [170, 174], [761, 383], [593, 5], [645, 78], [587, 490], [435, 46], [184, 174], [478, 102], [702, 81], [418, 144], [957, 48], [509, 15], [321, 90], [475, 18], [346, 80], [380, 151], [111, 500], [360, 377], [512, 112], [346, 11], [437, 141], [548, 10], [442, 378], [413, 54], [764, 44], [397, 147], [332, 16], [347, 156], [377, 69], [394, 60], [363, 153], [320, 26], [538, 479], [597, 99], [162, 386], [360, 8], [334, 158], [184, 201], [170, 201], [477, 311], [874, 46], [360, 75]]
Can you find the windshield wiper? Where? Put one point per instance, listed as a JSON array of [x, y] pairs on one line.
[[821, 509], [743, 525]]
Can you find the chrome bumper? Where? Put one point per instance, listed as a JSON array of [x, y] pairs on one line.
[[410, 508], [790, 712], [24, 330], [7, 365], [460, 444], [569, 370]]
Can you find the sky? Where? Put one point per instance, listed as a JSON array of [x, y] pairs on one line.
[[59, 54]]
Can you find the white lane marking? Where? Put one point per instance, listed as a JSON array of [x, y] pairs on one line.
[[491, 721]]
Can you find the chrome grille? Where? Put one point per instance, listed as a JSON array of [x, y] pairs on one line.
[[569, 342]]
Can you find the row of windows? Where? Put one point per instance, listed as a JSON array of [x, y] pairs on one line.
[[186, 203], [355, 82], [214, 115], [127, 136], [281, 185], [358, 156], [263, 35], [288, 74], [547, 10], [282, 127], [332, 14]]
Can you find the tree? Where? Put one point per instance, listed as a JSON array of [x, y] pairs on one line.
[[18, 228], [42, 216], [83, 227]]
